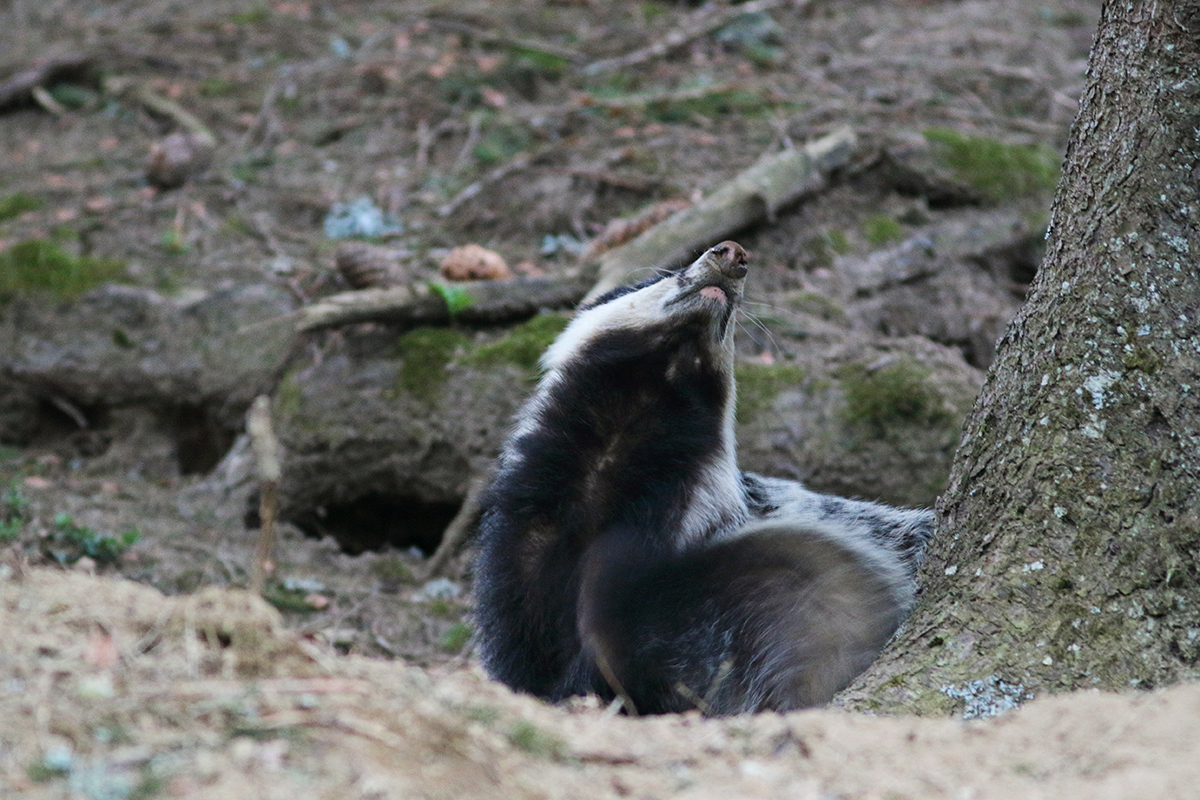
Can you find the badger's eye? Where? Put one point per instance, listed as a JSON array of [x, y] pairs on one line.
[[621, 291]]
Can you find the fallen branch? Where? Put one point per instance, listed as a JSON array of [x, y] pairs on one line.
[[701, 23], [500, 173], [759, 192], [266, 457], [40, 74], [471, 302], [163, 106], [458, 529]]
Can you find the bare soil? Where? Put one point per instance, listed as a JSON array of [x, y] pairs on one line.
[[113, 690], [471, 122]]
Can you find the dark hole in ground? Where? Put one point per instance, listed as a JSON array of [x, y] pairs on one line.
[[200, 443], [375, 521]]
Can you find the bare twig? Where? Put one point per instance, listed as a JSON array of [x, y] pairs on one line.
[[504, 40], [773, 183], [458, 529], [266, 453], [701, 23], [517, 163], [163, 106], [643, 99], [47, 101]]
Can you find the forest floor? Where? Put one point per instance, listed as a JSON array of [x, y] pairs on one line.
[[132, 669]]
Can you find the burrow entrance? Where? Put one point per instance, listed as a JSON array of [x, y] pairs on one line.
[[375, 521]]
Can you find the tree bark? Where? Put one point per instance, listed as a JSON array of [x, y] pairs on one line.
[[1068, 544]]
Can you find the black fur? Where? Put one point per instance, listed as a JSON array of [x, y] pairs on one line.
[[565, 495]]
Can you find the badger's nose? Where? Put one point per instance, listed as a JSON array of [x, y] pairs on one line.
[[730, 259]]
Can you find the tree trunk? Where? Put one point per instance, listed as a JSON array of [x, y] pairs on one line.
[[1068, 550]]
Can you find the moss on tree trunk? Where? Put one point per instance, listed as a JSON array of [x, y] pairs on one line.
[[1068, 552]]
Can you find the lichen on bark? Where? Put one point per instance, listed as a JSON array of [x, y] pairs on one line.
[[1068, 545]]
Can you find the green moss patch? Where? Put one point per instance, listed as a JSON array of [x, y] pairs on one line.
[[758, 385], [893, 395], [879, 229], [43, 266], [998, 170], [426, 353], [524, 345], [17, 204]]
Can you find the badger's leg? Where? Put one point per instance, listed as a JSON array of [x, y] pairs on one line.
[[778, 618]]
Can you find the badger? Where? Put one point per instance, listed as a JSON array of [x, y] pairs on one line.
[[623, 553]]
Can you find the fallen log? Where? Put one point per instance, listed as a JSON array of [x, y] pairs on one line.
[[470, 302], [773, 183]]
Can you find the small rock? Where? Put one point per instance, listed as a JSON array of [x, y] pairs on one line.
[[360, 217], [439, 589], [474, 263], [177, 158]]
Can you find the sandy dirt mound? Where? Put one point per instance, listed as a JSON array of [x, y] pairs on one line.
[[111, 690]]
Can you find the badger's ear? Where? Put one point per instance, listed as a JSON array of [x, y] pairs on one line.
[[620, 291]]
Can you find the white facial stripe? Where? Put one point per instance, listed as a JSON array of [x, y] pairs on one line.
[[627, 312]]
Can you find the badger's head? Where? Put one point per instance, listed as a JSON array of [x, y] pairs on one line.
[[696, 303], [638, 400]]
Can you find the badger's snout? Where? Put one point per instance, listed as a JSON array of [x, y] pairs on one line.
[[730, 258]]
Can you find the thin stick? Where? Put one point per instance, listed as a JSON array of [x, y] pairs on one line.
[[160, 105], [499, 173], [266, 454], [458, 529], [696, 25]]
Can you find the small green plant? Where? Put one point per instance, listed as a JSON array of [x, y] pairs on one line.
[[456, 637], [14, 513], [881, 229], [41, 265], [837, 241], [528, 737], [216, 87], [173, 242], [69, 542], [500, 143], [456, 297], [288, 598], [997, 169], [17, 204]]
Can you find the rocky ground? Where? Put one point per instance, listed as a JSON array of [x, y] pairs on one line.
[[176, 181]]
